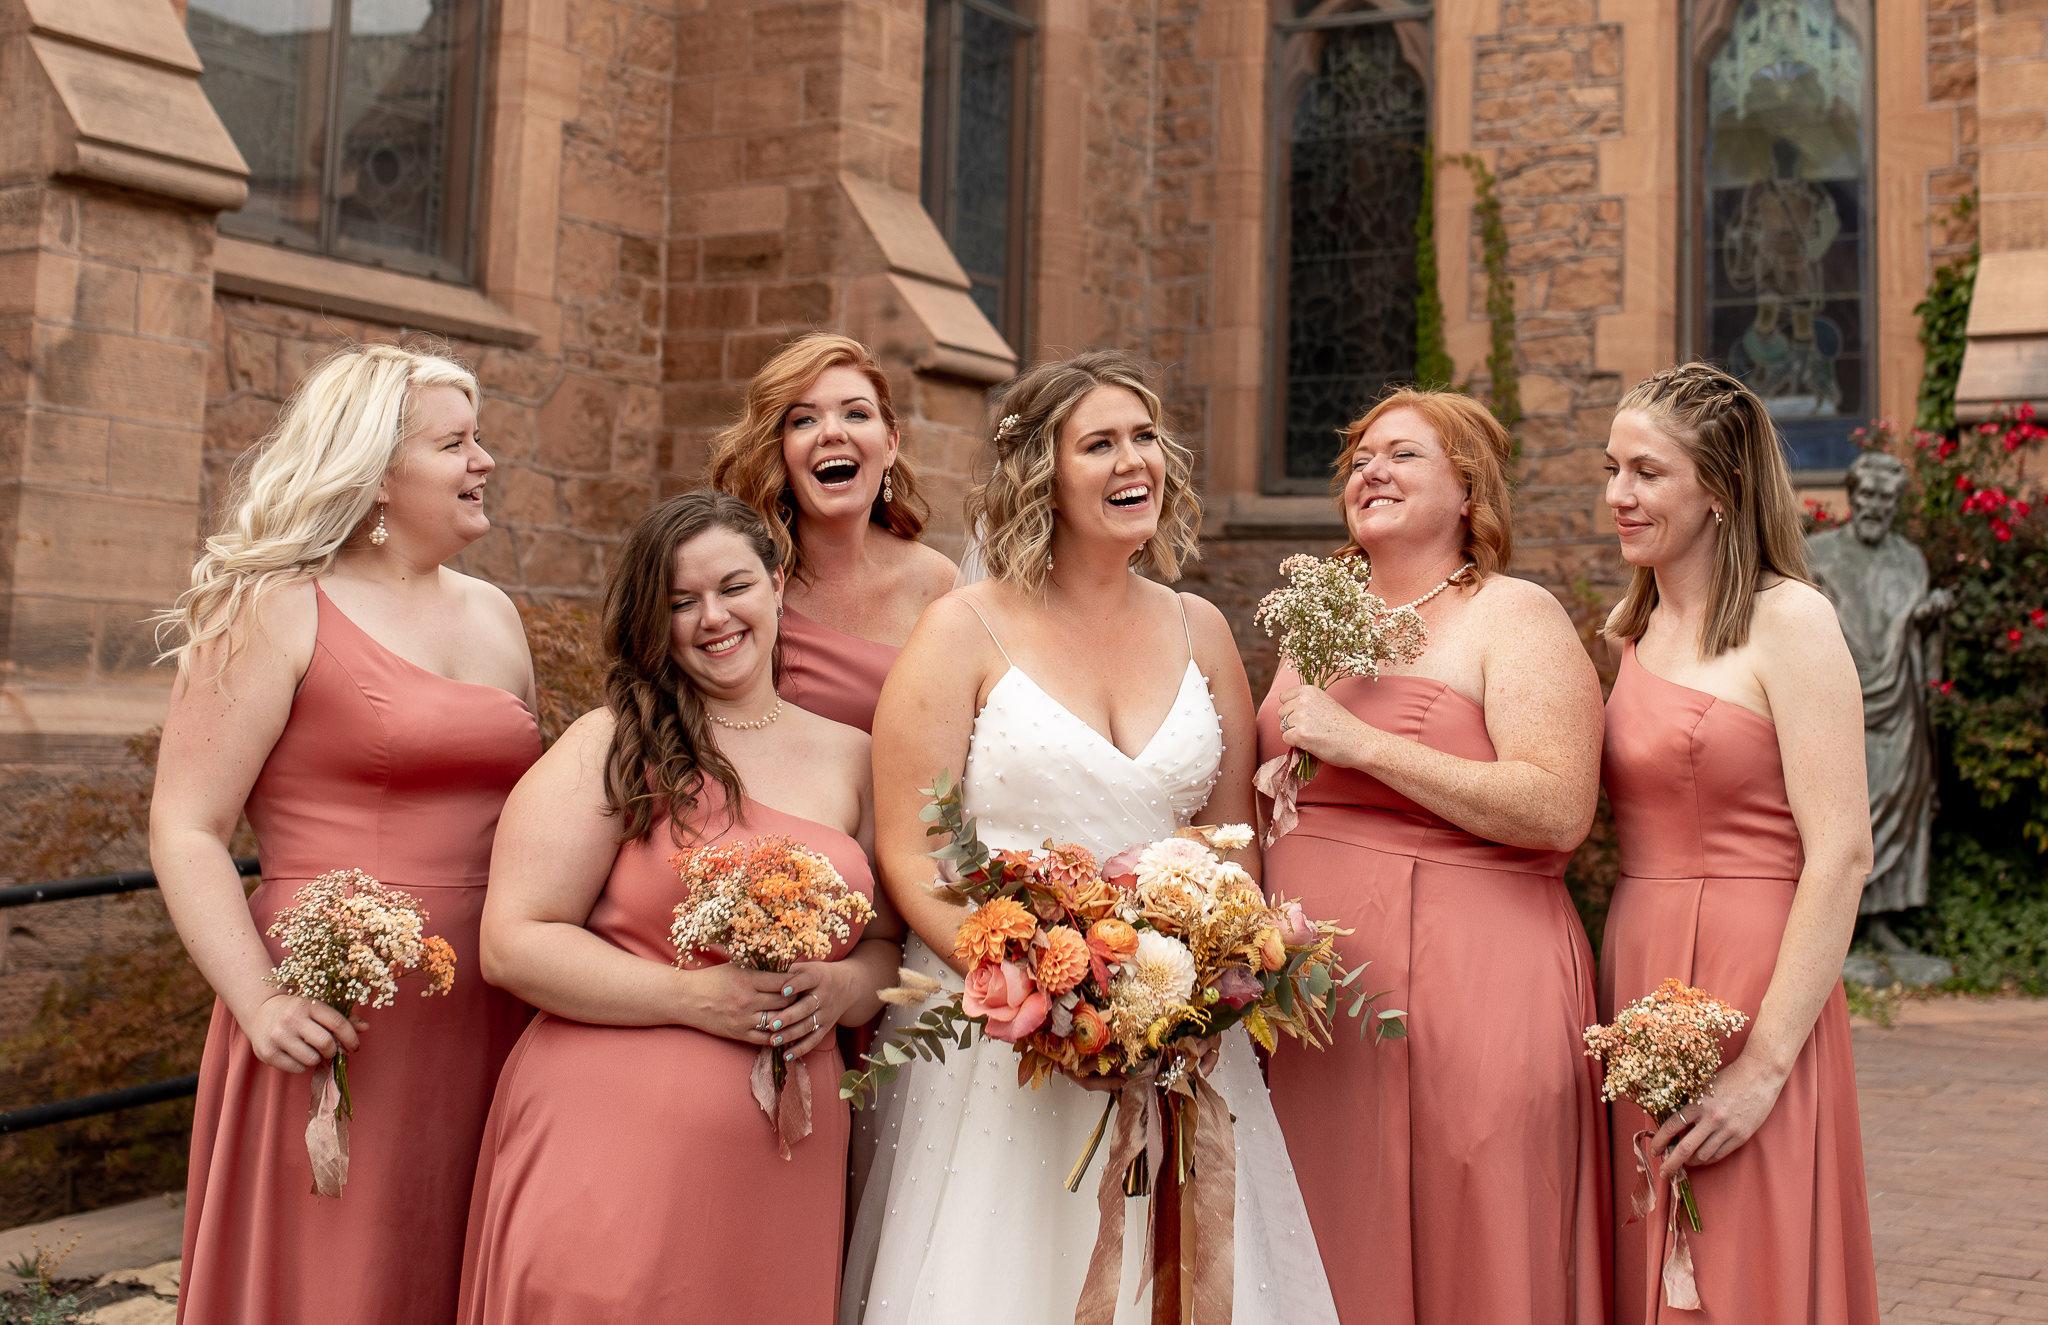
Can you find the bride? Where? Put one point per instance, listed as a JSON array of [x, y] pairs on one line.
[[1080, 703]]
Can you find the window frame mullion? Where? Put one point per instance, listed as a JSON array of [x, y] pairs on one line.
[[339, 25]]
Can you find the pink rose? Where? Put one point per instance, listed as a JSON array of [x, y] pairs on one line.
[[1296, 929], [1121, 870], [1237, 986], [1003, 992]]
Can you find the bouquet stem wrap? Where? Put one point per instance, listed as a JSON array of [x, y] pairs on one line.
[[1681, 1289], [327, 1127], [786, 1100], [1141, 1131]]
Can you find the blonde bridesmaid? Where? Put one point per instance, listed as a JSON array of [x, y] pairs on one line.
[[1459, 1175], [370, 708], [627, 1173], [1734, 762], [817, 453]]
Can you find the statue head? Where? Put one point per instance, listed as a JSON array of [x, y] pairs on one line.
[[1875, 481]]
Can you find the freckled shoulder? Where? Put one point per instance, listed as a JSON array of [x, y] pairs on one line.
[[1793, 616]]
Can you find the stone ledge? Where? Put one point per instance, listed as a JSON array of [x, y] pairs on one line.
[[347, 289], [929, 282], [1249, 515]]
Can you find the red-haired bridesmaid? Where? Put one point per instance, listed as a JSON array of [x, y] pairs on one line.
[[627, 1172], [371, 708], [1734, 762], [1459, 1175], [816, 452]]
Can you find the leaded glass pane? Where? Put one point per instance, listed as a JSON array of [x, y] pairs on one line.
[[266, 65], [981, 215], [1786, 198], [1357, 126]]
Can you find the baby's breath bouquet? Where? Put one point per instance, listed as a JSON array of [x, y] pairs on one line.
[[1662, 1052], [1331, 626], [348, 940]]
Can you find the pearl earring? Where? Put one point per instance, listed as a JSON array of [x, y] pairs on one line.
[[380, 534], [1717, 517], [888, 488]]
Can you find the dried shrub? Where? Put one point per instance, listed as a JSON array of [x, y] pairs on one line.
[[568, 668]]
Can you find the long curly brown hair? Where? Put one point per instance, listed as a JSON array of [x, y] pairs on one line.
[[662, 743]]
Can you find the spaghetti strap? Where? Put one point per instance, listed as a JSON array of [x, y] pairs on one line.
[[990, 629], [1185, 628]]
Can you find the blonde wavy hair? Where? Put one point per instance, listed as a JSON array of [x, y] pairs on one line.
[[1013, 510], [1480, 450], [307, 487], [746, 459], [1728, 434]]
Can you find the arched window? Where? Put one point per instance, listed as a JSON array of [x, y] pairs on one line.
[[977, 86], [1352, 124], [1780, 98]]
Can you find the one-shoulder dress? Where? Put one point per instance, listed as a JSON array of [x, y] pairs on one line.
[[831, 673], [627, 1173], [1459, 1175], [1710, 857], [400, 772]]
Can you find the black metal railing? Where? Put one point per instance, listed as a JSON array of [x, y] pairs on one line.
[[109, 1101]]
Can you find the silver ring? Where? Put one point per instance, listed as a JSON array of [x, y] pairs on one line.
[[815, 1027], [1283, 722], [1682, 1118], [761, 1020]]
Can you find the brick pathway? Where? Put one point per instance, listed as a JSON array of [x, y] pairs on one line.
[[1955, 1136]]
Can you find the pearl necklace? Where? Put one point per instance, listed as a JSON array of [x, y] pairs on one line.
[[1449, 580], [753, 724]]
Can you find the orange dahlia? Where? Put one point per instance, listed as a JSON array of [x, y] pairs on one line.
[[1064, 961], [1112, 940], [986, 934], [1070, 864]]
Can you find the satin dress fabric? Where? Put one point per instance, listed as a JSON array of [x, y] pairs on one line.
[[1710, 858], [1460, 1174], [627, 1173], [831, 673], [388, 768]]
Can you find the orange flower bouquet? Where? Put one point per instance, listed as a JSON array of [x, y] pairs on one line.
[[1662, 1052], [348, 940], [1128, 969], [766, 903]]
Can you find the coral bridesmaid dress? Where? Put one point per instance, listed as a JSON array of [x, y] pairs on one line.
[[628, 1175], [392, 769], [1459, 1175], [831, 673], [1709, 860]]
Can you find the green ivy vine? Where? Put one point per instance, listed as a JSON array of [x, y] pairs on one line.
[[1433, 365], [1944, 333]]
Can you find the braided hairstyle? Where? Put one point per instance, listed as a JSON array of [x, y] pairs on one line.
[[1728, 435], [662, 744]]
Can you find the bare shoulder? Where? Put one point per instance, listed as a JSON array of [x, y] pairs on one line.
[[1207, 624], [275, 628], [1505, 603], [834, 744], [489, 601], [930, 571], [1791, 614]]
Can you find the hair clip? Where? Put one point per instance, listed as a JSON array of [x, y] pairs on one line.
[[1003, 428]]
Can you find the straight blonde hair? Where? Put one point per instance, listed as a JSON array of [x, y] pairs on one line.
[[746, 459], [1013, 511], [302, 492], [1728, 435]]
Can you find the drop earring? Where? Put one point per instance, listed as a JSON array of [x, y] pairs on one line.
[[888, 487], [1717, 517], [380, 534]]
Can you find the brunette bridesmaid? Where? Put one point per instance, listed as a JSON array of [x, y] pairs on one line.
[[816, 452], [370, 708], [1734, 762], [627, 1173], [1458, 1175]]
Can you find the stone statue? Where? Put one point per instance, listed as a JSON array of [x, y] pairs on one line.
[[1878, 583]]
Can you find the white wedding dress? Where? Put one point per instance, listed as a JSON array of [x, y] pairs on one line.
[[964, 1214]]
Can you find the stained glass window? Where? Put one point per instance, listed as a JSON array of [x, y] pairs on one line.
[[977, 82], [358, 119], [1785, 192], [1353, 125]]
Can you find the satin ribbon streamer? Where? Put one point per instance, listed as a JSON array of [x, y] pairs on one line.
[[788, 1109], [327, 1134], [1681, 1289], [1276, 778], [1212, 1188]]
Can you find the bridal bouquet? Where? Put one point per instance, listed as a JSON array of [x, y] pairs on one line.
[[1331, 626], [766, 903], [348, 940], [1126, 972], [1662, 1053]]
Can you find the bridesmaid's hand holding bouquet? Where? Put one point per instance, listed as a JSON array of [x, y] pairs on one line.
[[764, 904], [348, 940], [1662, 1053]]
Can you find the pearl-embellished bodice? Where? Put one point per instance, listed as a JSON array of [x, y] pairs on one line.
[[1035, 771]]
